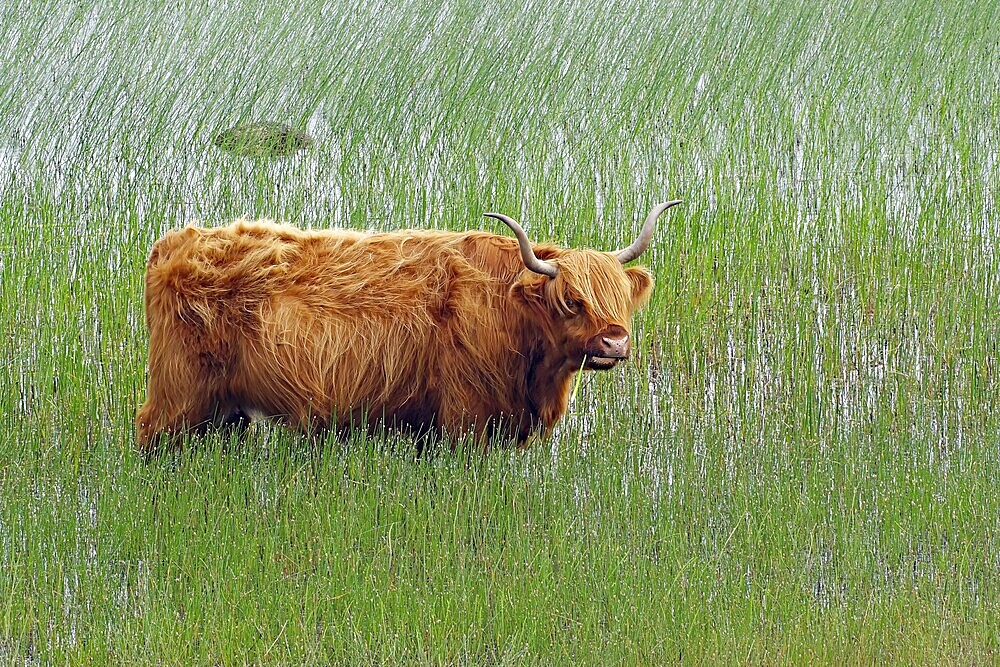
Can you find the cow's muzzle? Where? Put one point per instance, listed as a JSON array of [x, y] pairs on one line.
[[607, 348]]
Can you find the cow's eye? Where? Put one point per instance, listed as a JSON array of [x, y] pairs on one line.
[[574, 306]]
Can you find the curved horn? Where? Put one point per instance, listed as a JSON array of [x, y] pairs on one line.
[[646, 235], [527, 254]]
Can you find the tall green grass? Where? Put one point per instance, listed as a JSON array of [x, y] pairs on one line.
[[798, 465]]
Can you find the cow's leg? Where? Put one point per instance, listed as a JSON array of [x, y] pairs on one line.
[[311, 422], [161, 416], [470, 418], [179, 395]]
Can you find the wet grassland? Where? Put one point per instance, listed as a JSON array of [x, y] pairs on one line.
[[799, 463]]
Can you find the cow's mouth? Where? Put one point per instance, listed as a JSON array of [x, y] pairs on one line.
[[606, 349], [601, 363]]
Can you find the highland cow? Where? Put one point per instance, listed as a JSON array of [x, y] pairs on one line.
[[425, 331]]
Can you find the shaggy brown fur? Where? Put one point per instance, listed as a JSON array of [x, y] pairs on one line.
[[423, 330]]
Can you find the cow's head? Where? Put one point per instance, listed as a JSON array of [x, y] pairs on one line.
[[583, 300]]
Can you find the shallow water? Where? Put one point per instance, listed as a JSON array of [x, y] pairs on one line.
[[822, 327]]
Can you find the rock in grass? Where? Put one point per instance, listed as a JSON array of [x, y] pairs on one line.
[[262, 140]]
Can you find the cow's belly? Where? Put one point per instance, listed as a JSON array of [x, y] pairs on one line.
[[328, 371]]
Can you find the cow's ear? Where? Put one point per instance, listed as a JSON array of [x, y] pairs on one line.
[[642, 285], [530, 290]]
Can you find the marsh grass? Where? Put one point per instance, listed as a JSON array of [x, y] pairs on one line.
[[798, 465]]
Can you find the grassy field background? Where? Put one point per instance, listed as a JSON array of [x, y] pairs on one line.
[[800, 463]]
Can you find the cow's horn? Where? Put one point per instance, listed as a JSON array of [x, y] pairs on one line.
[[527, 254], [646, 235]]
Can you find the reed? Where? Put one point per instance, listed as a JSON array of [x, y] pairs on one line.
[[798, 465]]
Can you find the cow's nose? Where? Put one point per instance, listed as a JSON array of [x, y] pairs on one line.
[[615, 347]]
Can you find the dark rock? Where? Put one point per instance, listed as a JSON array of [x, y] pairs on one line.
[[262, 140]]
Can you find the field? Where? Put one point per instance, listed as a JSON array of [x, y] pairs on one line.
[[799, 464]]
